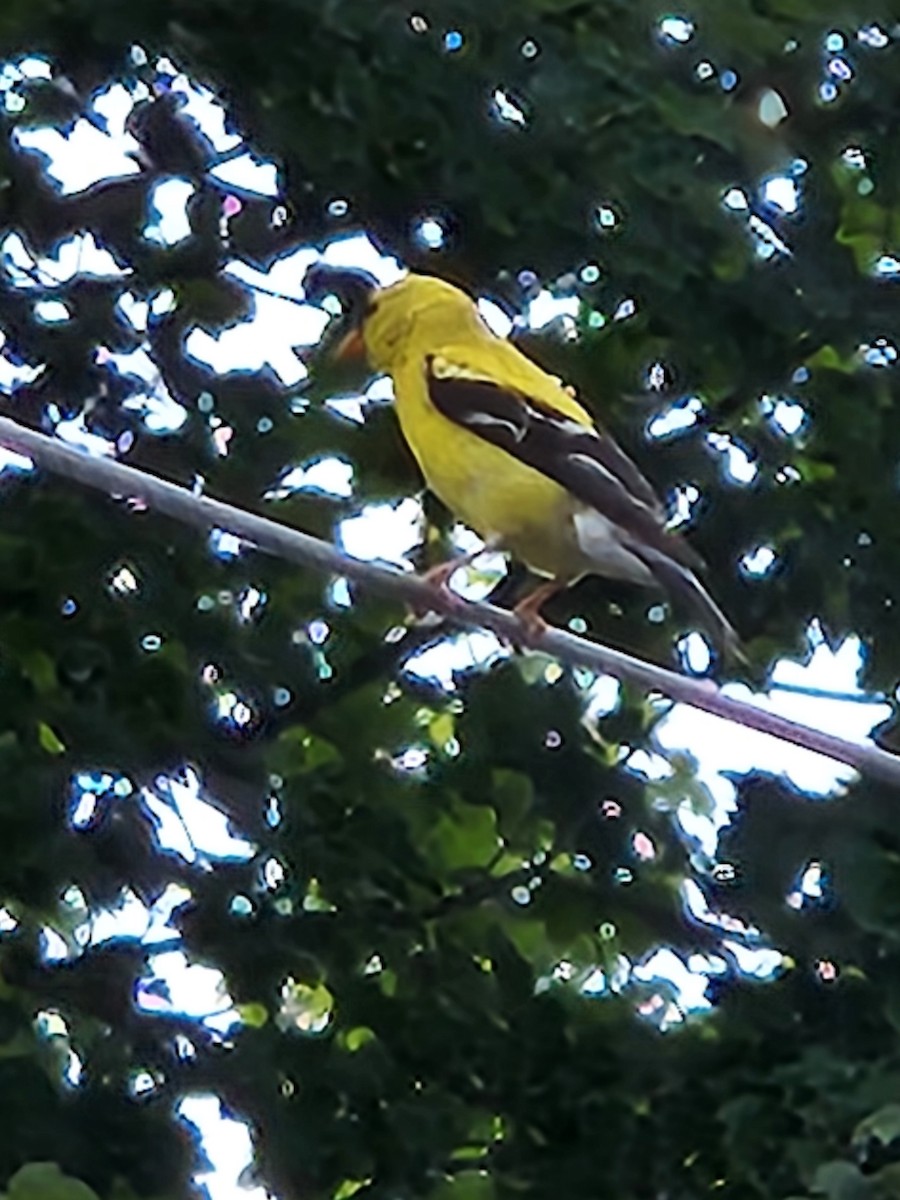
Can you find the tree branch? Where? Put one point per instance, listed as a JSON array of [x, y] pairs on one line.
[[284, 542]]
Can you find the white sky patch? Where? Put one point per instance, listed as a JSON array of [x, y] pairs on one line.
[[127, 919], [82, 255], [83, 157], [430, 233], [189, 825], [437, 664], [170, 830], [736, 200], [225, 545], [168, 204], [380, 390], [761, 962], [74, 432], [810, 887], [782, 192], [53, 312], [207, 825], [651, 766], [78, 255], [265, 341], [249, 173], [15, 374], [854, 157], [759, 561], [285, 274], [123, 581], [787, 415], [721, 746], [354, 407], [53, 946], [193, 990], [676, 418], [329, 476], [32, 67], [383, 532], [465, 540], [350, 408], [210, 117], [496, 319], [676, 29], [360, 251], [680, 504], [771, 108], [602, 697], [546, 307], [332, 477], [12, 460], [767, 240], [506, 109], [136, 312], [695, 653], [874, 36], [131, 918], [696, 904], [887, 267], [136, 363], [879, 353], [114, 105], [738, 466], [162, 302], [666, 965], [605, 217], [476, 580], [160, 411], [228, 1145]]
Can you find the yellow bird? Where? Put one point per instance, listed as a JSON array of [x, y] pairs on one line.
[[508, 448]]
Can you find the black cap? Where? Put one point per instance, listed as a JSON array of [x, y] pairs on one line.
[[352, 286]]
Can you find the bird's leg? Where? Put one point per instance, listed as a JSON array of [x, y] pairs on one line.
[[439, 576], [528, 610]]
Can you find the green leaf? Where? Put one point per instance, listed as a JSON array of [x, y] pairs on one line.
[[467, 837], [883, 1125], [840, 1181], [254, 1014], [49, 740], [354, 1039], [45, 1181], [467, 1185], [349, 1188]]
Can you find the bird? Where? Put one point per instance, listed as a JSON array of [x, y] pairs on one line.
[[509, 449]]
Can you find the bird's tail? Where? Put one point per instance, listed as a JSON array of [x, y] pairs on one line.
[[681, 582]]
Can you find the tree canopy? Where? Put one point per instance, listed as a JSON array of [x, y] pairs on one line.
[[434, 906]]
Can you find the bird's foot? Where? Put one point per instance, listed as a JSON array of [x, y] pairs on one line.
[[533, 628], [438, 580], [528, 612]]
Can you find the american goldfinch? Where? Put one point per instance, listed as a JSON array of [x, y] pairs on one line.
[[508, 448]]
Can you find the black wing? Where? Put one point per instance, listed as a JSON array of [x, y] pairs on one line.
[[583, 459]]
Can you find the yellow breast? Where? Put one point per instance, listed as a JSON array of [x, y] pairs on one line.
[[486, 488]]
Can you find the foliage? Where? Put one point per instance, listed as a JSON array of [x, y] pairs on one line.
[[416, 946]]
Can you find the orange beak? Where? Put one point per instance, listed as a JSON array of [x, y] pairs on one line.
[[351, 347]]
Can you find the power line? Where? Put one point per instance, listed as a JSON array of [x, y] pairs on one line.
[[291, 544]]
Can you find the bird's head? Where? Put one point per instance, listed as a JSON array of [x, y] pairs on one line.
[[382, 322]]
